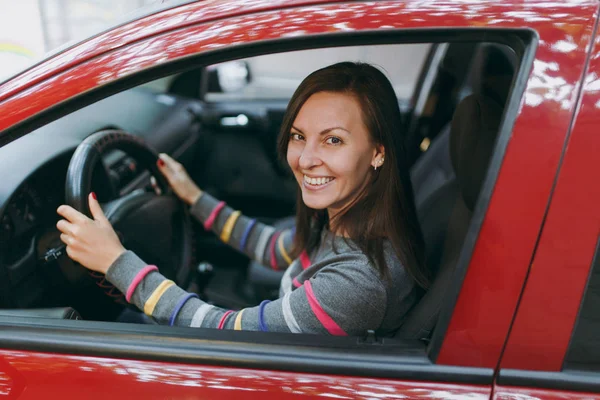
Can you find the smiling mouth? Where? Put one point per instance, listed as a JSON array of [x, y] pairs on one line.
[[317, 182]]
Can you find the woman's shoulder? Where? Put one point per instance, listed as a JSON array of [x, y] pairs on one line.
[[350, 254], [350, 272], [340, 249], [340, 252]]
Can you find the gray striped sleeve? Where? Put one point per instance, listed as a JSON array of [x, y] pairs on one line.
[[345, 297], [199, 315], [288, 315], [263, 241], [247, 235]]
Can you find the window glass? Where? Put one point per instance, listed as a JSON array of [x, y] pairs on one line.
[[584, 350]]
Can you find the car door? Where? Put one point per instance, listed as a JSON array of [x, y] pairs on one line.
[[99, 359], [553, 349]]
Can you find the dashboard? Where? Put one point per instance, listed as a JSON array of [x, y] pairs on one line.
[[33, 184], [31, 212], [236, 163]]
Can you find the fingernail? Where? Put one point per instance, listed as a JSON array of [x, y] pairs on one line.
[[160, 162], [94, 196]]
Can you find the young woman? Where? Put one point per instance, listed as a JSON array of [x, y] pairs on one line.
[[354, 261]]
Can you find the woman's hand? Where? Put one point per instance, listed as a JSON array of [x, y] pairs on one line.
[[178, 178], [93, 243]]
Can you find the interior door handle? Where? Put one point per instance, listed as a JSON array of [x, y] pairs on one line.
[[240, 120]]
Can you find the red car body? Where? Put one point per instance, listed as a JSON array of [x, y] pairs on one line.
[[519, 301]]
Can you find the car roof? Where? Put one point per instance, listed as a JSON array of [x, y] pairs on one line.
[[148, 21], [173, 15], [139, 13]]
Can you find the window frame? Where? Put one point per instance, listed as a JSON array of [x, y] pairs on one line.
[[273, 350]]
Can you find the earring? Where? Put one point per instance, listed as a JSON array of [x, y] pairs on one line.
[[379, 164]]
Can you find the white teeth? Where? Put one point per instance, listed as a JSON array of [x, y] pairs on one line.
[[317, 181]]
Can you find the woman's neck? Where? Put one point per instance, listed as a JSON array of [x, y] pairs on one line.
[[333, 226]]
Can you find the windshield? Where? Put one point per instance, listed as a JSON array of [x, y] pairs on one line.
[[276, 76], [31, 31]]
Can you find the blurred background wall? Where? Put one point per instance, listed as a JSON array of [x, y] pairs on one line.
[[31, 28]]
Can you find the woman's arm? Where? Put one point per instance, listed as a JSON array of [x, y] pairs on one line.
[[345, 298], [258, 241]]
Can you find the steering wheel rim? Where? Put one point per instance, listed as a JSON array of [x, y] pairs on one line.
[[78, 186]]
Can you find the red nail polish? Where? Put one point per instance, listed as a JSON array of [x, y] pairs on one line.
[[160, 162], [94, 196]]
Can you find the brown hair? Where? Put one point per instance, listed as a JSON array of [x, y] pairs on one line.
[[385, 210]]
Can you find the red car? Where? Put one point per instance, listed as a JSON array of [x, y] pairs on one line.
[[505, 195]]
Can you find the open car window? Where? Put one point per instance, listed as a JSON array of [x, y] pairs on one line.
[[225, 135]]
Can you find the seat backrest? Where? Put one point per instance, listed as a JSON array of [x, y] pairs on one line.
[[473, 133], [493, 67]]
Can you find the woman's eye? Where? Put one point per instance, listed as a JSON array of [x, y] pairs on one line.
[[333, 140], [296, 136]]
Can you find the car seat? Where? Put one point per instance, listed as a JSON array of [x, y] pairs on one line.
[[472, 137]]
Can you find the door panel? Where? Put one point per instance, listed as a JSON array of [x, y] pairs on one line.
[[102, 378], [238, 170], [239, 163], [548, 311], [561, 266], [504, 245]]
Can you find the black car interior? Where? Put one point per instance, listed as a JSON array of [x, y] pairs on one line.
[[237, 163]]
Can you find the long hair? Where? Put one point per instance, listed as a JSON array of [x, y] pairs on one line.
[[385, 209]]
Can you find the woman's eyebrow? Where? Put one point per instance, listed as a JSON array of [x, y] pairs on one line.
[[324, 131]]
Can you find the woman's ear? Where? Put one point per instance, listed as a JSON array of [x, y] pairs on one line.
[[378, 157]]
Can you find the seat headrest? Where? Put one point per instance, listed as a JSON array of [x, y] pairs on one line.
[[496, 65], [472, 137]]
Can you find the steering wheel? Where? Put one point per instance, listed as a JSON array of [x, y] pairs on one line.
[[157, 228]]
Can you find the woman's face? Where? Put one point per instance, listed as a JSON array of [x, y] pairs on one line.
[[330, 151]]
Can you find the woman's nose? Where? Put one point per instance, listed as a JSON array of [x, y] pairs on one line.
[[309, 158]]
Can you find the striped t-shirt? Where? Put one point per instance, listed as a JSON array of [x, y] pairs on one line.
[[334, 290]]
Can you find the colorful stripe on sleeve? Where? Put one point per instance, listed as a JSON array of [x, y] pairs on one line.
[[328, 322], [229, 225], [155, 296], [238, 321], [282, 250]]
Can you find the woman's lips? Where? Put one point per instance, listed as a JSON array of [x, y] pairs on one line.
[[317, 180], [316, 183]]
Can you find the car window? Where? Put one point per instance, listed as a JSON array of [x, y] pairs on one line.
[[584, 349], [227, 142], [276, 76]]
